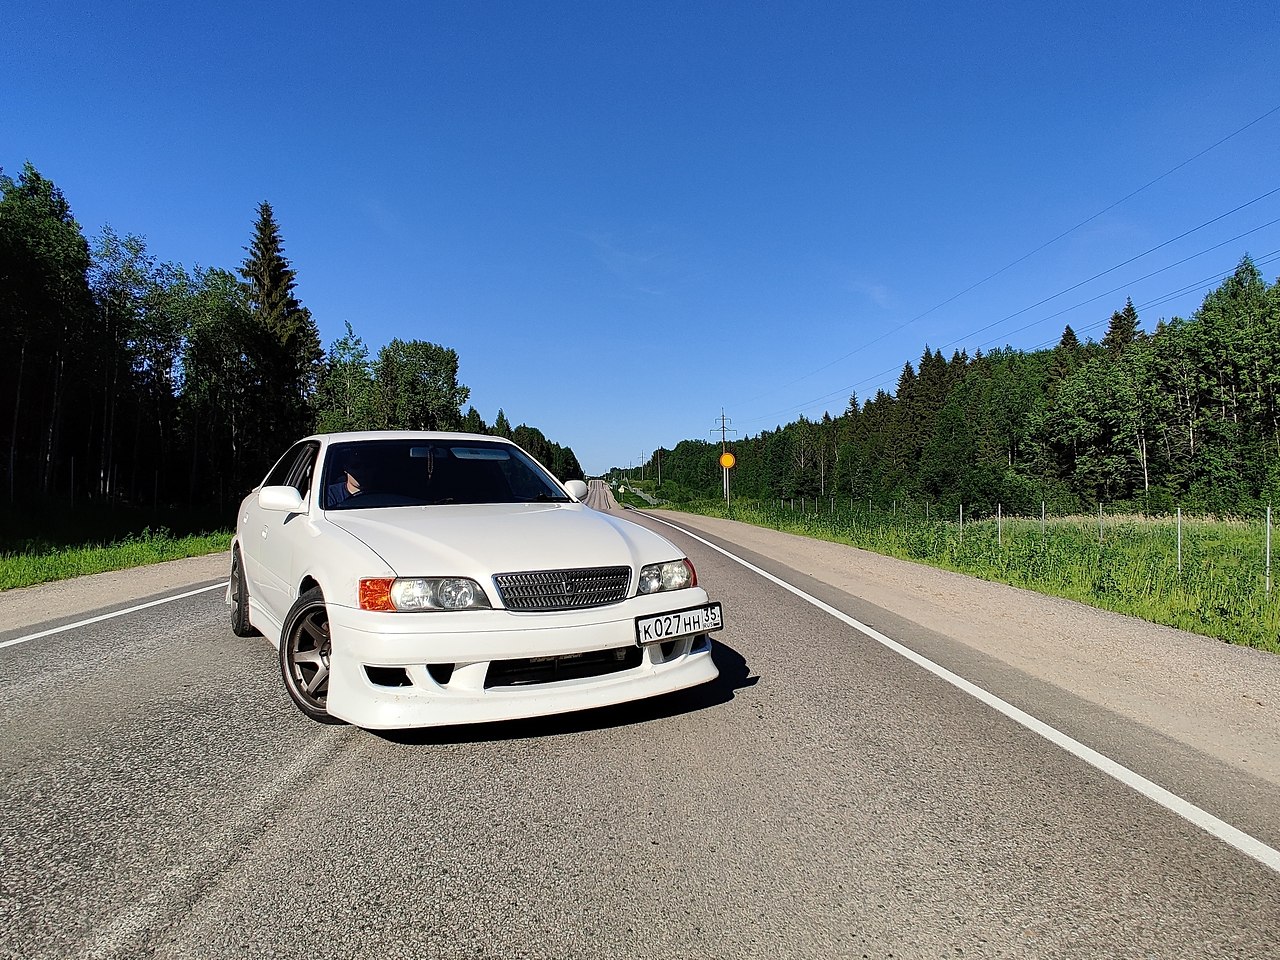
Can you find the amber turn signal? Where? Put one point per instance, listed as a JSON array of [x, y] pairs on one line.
[[375, 594]]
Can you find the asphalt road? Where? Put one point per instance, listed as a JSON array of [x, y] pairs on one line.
[[159, 796]]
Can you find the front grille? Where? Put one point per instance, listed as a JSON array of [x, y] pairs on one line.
[[540, 590], [576, 666]]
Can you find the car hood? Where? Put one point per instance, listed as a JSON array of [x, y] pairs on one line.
[[479, 540]]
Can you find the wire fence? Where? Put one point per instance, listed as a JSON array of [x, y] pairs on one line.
[[1210, 576], [1125, 524]]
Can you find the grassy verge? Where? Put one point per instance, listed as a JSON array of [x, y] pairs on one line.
[[1219, 592], [629, 498], [29, 567]]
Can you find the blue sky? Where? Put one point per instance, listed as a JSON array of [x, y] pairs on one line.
[[627, 217]]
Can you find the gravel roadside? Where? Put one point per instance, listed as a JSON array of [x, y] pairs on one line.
[[47, 602]]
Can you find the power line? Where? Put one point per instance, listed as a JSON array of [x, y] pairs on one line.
[[1075, 286], [1025, 256], [1107, 293], [1125, 263], [1167, 297], [1164, 298]]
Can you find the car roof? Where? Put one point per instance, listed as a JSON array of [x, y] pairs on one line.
[[355, 436]]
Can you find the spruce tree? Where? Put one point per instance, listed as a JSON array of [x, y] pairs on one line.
[[501, 425], [1122, 331], [298, 356]]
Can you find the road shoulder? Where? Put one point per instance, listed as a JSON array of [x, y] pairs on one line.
[[1219, 699], [26, 607]]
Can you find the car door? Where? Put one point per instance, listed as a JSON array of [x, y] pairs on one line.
[[249, 523], [279, 535]]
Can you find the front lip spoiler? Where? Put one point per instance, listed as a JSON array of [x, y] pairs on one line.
[[391, 708]]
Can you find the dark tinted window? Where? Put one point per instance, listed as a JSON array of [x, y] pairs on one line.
[[394, 473], [294, 469], [302, 469]]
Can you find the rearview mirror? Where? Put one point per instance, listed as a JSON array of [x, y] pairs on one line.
[[577, 489], [280, 499]]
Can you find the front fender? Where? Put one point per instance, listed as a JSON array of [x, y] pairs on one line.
[[336, 561]]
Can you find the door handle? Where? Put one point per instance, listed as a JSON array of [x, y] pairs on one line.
[[264, 533]]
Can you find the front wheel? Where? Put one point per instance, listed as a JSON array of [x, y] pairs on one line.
[[304, 656], [240, 624]]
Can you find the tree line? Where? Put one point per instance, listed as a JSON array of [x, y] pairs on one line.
[[1186, 415], [128, 380]]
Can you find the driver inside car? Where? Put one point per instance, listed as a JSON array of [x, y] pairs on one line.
[[346, 487]]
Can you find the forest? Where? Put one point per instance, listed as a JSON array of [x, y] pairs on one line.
[[129, 381], [126, 380], [1184, 416]]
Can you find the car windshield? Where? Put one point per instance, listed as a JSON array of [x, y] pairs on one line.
[[400, 473]]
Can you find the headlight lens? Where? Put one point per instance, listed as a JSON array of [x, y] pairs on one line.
[[459, 594], [407, 594], [672, 575]]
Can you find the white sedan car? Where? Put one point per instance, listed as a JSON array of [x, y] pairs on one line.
[[413, 579]]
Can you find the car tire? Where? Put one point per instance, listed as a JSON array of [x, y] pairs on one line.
[[239, 592], [304, 656]]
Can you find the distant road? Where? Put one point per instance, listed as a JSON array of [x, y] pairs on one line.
[[600, 496], [827, 797]]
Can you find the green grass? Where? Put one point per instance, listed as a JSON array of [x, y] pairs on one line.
[[1220, 591], [629, 498], [27, 567]]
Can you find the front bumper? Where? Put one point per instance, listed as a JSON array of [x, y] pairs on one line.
[[441, 662]]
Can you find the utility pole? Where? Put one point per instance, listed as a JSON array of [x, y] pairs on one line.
[[724, 429]]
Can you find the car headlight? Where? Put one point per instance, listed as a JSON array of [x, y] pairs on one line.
[[672, 575], [408, 594]]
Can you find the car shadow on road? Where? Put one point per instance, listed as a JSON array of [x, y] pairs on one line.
[[734, 675]]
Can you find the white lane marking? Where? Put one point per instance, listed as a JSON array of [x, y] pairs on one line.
[[110, 616], [1246, 844]]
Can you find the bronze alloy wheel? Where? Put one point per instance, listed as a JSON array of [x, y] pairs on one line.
[[304, 656]]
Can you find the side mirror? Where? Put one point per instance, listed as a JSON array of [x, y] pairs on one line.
[[577, 489], [281, 499]]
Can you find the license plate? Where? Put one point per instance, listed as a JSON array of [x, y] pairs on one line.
[[678, 623]]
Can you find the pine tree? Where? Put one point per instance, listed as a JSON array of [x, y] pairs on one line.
[[473, 422], [1122, 331], [271, 281]]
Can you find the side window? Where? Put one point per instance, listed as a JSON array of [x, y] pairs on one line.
[[294, 468], [278, 477], [303, 468]]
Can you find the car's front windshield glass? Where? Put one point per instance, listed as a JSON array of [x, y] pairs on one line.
[[399, 473]]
